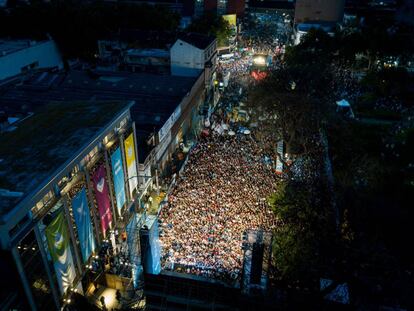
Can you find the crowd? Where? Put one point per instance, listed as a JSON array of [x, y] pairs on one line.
[[223, 189], [221, 193], [237, 66]]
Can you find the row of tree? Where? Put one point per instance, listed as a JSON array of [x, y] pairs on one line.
[[298, 102]]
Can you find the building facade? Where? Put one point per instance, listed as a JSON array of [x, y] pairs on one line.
[[221, 7], [70, 197], [192, 54], [21, 56]]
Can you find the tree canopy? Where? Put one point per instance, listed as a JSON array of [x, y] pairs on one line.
[[213, 25]]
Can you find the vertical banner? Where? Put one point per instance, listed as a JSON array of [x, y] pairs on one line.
[[102, 198], [118, 174], [57, 237], [131, 164], [83, 224]]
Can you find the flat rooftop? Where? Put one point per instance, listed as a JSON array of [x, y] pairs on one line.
[[30, 154], [149, 53], [155, 96], [8, 46]]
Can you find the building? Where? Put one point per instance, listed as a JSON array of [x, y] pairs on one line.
[[221, 7], [319, 11], [68, 183], [153, 51], [21, 56], [300, 30], [268, 6], [193, 54], [152, 60], [173, 5], [166, 111]]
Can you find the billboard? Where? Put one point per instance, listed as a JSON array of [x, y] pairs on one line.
[[57, 237], [119, 181], [82, 217], [131, 163], [102, 198], [231, 19]]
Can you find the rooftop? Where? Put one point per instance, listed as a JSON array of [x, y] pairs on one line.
[[11, 46], [155, 96], [200, 41], [45, 141], [149, 53]]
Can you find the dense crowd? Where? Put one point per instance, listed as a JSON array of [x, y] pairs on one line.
[[222, 191], [220, 195]]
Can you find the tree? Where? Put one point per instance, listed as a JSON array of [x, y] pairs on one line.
[[212, 25], [304, 232]]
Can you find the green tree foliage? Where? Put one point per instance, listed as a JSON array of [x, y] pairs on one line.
[[77, 25], [295, 99], [303, 234], [212, 25]]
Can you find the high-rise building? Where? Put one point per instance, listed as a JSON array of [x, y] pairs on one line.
[[319, 11]]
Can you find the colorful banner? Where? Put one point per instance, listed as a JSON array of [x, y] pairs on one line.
[[102, 198], [82, 217], [131, 164], [119, 181], [57, 237]]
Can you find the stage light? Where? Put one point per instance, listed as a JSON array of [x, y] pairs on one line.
[[259, 60]]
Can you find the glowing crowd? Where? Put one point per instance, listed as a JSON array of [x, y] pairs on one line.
[[220, 195]]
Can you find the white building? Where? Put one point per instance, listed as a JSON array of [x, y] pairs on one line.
[[20, 56], [191, 54], [301, 30]]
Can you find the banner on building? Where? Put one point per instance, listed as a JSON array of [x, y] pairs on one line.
[[119, 183], [102, 198], [57, 237], [131, 163], [82, 217]]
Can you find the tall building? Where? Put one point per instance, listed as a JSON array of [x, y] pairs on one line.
[[319, 11], [69, 178], [221, 7]]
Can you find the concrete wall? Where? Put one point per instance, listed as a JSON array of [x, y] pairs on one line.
[[45, 53], [186, 60]]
